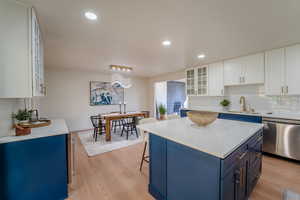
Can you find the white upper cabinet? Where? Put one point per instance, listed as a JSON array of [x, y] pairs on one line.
[[233, 71], [275, 71], [253, 67], [202, 80], [191, 82], [244, 70], [292, 70], [20, 50], [215, 79]]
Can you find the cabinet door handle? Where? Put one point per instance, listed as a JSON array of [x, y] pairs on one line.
[[242, 176], [260, 138], [243, 155], [287, 89], [281, 90]]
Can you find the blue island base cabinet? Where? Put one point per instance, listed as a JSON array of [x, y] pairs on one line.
[[34, 169], [178, 172]]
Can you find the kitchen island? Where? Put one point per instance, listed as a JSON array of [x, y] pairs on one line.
[[221, 161]]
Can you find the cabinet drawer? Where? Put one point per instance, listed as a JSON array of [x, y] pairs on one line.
[[254, 174], [255, 149], [231, 161]]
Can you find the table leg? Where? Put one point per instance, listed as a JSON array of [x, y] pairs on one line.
[[107, 131]]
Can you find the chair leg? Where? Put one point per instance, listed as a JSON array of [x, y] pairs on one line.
[[143, 156], [127, 132], [122, 131], [136, 132], [96, 135]]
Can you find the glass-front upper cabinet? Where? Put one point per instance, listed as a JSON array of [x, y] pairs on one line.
[[202, 80], [190, 82], [39, 88]]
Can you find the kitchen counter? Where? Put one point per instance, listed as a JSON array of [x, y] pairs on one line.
[[57, 127], [38, 162], [219, 139], [278, 115]]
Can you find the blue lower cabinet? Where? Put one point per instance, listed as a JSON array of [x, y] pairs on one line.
[[183, 112], [245, 118], [34, 169], [178, 172]]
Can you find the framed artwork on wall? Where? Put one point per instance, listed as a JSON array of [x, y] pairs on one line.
[[104, 93]]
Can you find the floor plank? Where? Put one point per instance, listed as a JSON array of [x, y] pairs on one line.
[[115, 176]]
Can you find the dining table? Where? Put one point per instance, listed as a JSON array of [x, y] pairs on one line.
[[109, 117]]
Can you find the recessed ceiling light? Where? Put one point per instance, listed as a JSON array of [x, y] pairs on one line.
[[166, 43], [201, 56], [90, 15]]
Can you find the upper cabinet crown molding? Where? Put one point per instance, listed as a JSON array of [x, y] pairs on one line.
[[21, 52]]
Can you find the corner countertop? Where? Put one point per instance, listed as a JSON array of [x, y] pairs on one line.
[[265, 114], [219, 139], [57, 127]]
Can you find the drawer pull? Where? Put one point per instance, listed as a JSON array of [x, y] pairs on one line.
[[243, 155], [260, 138]]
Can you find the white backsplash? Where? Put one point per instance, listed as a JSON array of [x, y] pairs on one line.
[[255, 97], [7, 107]]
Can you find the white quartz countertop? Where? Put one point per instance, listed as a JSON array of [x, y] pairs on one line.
[[260, 113], [219, 139], [57, 127]]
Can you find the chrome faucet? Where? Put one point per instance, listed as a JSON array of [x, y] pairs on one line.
[[243, 104]]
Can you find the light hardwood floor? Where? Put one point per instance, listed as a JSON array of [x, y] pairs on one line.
[[115, 176]]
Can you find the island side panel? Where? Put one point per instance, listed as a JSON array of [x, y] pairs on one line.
[[157, 152], [34, 169], [178, 172], [191, 174]]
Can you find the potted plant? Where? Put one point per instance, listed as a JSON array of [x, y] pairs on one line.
[[225, 103], [22, 117], [162, 112]]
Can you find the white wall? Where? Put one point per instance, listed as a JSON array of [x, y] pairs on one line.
[[68, 97]]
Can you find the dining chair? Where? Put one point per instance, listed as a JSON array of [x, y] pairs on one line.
[[115, 124], [99, 126], [129, 126], [173, 116], [145, 136]]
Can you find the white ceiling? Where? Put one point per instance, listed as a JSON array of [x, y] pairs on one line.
[[130, 32]]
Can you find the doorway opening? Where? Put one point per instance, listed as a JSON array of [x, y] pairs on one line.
[[170, 94]]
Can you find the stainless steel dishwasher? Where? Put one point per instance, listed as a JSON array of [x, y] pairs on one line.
[[282, 137]]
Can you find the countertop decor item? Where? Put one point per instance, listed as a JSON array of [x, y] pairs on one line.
[[202, 118], [225, 103], [162, 112], [36, 124], [22, 115]]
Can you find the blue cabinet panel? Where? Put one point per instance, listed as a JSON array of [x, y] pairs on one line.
[[158, 166], [245, 118], [191, 174], [183, 112], [34, 169]]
